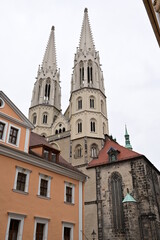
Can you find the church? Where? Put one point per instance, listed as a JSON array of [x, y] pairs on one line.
[[122, 193]]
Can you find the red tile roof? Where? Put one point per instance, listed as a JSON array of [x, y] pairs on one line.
[[123, 154]]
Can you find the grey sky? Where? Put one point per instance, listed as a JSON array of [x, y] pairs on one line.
[[129, 56]]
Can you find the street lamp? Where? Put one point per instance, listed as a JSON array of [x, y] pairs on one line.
[[93, 235]]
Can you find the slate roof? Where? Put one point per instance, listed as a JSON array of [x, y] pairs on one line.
[[123, 154]]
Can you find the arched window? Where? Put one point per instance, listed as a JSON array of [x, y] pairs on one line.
[[89, 72], [94, 151], [92, 102], [34, 118], [81, 73], [93, 125], [47, 91], [79, 125], [56, 132], [78, 151], [45, 118], [117, 206], [79, 103]]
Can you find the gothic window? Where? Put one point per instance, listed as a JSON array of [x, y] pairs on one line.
[[92, 102], [45, 118], [79, 127], [47, 91], [94, 151], [56, 132], [89, 72], [79, 103], [34, 118], [117, 206], [78, 151], [81, 73], [93, 125]]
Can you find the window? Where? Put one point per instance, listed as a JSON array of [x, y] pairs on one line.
[[67, 231], [79, 127], [94, 151], [2, 127], [112, 154], [78, 151], [53, 157], [117, 206], [45, 118], [13, 135], [81, 73], [69, 193], [40, 228], [46, 154], [92, 102], [47, 92], [15, 226], [79, 103], [89, 71], [44, 186], [21, 179], [93, 126], [1, 103], [34, 118]]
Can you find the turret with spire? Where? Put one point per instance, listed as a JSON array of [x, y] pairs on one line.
[[46, 96], [47, 88], [127, 140], [87, 71]]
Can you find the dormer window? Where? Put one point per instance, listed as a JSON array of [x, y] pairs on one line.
[[46, 154], [50, 155], [112, 153]]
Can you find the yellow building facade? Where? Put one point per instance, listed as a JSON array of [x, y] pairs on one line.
[[42, 195]]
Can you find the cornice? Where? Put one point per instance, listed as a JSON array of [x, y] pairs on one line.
[[39, 162], [14, 120], [86, 89]]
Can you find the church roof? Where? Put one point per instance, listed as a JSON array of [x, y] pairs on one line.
[[121, 152], [86, 39], [49, 60]]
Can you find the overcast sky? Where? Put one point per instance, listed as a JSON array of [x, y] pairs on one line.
[[129, 55]]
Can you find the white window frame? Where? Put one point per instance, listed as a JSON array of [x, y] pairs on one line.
[[5, 131], [71, 185], [68, 225], [18, 135], [48, 178], [42, 221], [19, 217], [25, 171]]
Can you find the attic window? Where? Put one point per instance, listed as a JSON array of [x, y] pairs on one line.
[[1, 103], [112, 153]]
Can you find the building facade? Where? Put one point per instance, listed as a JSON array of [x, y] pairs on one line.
[[42, 196], [82, 136]]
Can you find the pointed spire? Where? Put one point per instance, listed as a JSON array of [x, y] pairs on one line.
[[49, 60], [86, 39], [127, 140]]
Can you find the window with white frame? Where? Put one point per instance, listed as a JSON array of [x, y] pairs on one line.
[[3, 130], [69, 193], [40, 228], [44, 185], [67, 231], [13, 135], [21, 181], [15, 226]]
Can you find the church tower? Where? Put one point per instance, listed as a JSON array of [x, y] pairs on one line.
[[46, 97], [87, 110]]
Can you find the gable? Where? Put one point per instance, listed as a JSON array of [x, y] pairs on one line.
[[10, 112]]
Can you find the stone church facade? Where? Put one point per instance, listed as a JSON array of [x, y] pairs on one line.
[[82, 136]]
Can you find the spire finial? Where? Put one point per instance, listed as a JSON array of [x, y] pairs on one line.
[[49, 60], [127, 140], [86, 39]]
